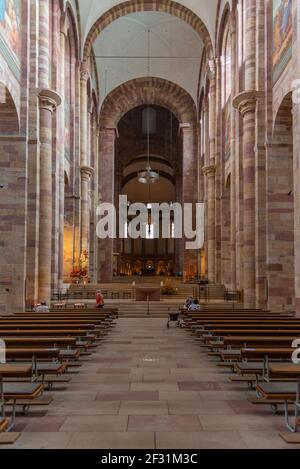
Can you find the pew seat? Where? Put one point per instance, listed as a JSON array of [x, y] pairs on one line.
[[284, 391], [243, 368], [4, 423], [14, 391], [69, 354]]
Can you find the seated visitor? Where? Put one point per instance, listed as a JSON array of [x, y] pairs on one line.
[[195, 306], [188, 302], [99, 300], [42, 308]]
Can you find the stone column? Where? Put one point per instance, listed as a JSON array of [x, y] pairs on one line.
[[210, 173], [106, 187], [44, 44], [260, 160], [233, 130], [85, 170], [48, 102], [77, 159], [188, 188], [215, 135], [178, 243], [96, 201], [206, 163], [62, 161], [296, 162], [86, 174], [245, 102]]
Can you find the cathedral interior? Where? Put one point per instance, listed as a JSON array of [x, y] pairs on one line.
[[170, 103]]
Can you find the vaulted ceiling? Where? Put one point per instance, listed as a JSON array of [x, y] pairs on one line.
[[90, 10], [175, 51], [122, 47]]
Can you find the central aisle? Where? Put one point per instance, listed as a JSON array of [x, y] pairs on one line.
[[150, 387]]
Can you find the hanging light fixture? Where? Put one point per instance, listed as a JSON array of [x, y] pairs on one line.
[[148, 175]]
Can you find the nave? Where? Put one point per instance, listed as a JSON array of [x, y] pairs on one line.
[[150, 387]]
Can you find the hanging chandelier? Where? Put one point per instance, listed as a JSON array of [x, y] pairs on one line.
[[148, 175]]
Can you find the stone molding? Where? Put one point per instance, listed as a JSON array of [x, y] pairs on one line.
[[103, 130], [246, 101], [209, 171], [185, 127], [49, 100], [212, 69], [86, 172], [84, 72]]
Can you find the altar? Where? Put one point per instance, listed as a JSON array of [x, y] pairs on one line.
[[148, 293]]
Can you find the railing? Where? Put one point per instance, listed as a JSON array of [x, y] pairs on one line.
[[63, 295], [206, 295], [85, 293]]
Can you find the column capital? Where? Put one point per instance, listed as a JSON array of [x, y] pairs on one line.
[[185, 127], [103, 130], [64, 31], [246, 101], [49, 100], [269, 144], [212, 69], [86, 172], [84, 72], [209, 171]]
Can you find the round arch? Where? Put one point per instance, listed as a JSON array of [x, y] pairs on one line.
[[69, 25], [224, 25], [134, 6], [147, 90], [9, 117], [283, 117]]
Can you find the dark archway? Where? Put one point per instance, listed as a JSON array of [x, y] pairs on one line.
[[280, 234]]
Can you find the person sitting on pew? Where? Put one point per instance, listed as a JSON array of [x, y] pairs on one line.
[[42, 308], [195, 306], [99, 299], [188, 302]]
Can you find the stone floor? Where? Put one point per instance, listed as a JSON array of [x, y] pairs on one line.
[[150, 387]]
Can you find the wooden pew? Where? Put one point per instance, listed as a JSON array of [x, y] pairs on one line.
[[287, 371], [247, 341], [33, 354], [227, 329], [98, 322], [251, 332], [4, 424], [32, 326], [15, 371], [77, 333], [24, 322], [24, 391], [38, 337], [260, 341], [39, 341], [262, 352]]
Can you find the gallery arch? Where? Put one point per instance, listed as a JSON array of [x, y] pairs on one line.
[[147, 256], [281, 247]]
